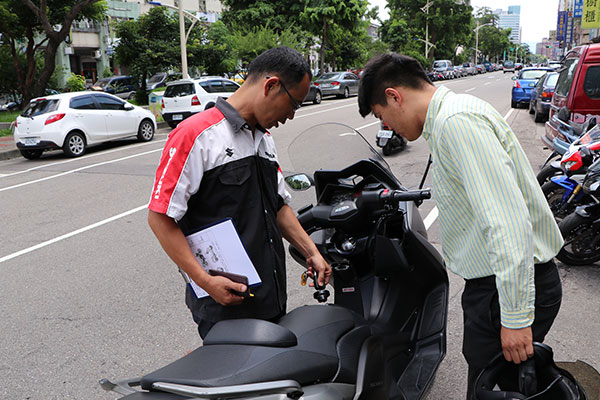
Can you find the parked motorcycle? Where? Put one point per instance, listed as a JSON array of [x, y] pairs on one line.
[[563, 192], [572, 132], [383, 337], [581, 228], [388, 140]]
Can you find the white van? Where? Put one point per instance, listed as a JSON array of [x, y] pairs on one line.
[[445, 67]]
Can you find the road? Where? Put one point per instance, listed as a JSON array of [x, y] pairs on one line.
[[87, 292]]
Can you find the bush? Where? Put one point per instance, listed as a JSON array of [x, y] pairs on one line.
[[75, 83], [107, 73]]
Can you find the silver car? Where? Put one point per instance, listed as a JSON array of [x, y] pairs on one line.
[[340, 84]]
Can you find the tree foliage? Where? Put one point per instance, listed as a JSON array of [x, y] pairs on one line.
[[213, 51], [24, 22]]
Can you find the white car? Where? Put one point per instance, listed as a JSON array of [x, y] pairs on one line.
[[186, 97], [73, 121]]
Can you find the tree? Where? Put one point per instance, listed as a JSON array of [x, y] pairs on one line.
[[24, 22], [253, 42], [149, 44], [321, 15], [277, 15], [214, 52], [448, 25]]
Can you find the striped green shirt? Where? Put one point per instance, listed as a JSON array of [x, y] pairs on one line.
[[494, 219]]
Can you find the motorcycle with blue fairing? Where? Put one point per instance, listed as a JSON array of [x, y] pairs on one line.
[[384, 334]]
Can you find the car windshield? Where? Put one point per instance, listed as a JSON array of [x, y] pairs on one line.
[[509, 64], [330, 75], [533, 74], [39, 107], [439, 64], [102, 83], [156, 78]]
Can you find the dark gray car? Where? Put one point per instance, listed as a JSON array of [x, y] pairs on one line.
[[340, 84], [541, 96]]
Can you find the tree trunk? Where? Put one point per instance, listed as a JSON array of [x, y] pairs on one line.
[[323, 48]]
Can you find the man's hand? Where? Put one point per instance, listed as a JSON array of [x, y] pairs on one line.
[[517, 344], [318, 263], [221, 290]]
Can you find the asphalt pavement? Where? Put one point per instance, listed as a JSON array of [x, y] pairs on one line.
[[87, 292]]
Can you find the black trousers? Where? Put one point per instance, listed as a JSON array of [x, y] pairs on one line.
[[481, 311]]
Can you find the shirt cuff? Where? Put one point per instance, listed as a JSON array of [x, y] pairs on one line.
[[517, 319]]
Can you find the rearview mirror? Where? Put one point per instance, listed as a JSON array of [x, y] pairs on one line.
[[299, 182]]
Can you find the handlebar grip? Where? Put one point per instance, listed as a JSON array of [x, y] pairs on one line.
[[411, 195]]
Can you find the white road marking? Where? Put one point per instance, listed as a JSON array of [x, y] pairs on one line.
[[82, 158], [71, 234], [366, 126], [327, 110], [487, 83], [508, 114], [468, 90], [431, 217], [77, 170]]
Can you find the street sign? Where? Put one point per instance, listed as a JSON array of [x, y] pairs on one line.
[[591, 14]]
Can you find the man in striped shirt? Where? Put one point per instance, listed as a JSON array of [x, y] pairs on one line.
[[497, 230]]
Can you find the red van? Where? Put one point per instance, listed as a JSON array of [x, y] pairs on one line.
[[577, 88]]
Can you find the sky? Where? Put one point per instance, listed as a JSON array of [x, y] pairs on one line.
[[537, 16]]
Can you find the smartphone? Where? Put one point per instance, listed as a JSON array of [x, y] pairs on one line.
[[235, 278]]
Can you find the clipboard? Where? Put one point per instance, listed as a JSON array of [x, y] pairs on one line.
[[218, 247]]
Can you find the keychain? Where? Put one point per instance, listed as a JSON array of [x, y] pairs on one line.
[[304, 278]]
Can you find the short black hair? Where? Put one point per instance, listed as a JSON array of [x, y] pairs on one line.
[[285, 63], [384, 71]]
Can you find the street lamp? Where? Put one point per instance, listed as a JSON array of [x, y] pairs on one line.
[[428, 45], [182, 35], [476, 30]]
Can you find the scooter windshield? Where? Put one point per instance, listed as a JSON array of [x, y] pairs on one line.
[[330, 146]]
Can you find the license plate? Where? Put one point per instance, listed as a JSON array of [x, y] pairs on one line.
[[385, 134], [325, 85], [30, 141], [177, 117]]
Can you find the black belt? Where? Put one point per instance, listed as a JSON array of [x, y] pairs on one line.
[[491, 280]]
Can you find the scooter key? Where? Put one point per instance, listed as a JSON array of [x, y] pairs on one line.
[[304, 278]]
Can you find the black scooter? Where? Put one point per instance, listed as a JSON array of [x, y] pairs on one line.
[[385, 334], [389, 140]]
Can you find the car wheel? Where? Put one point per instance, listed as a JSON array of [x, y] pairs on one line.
[[131, 96], [172, 124], [317, 99], [209, 105], [514, 104], [537, 116], [31, 154], [145, 131], [74, 145], [346, 92]]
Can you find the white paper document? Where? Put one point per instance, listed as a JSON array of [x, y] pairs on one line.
[[218, 247]]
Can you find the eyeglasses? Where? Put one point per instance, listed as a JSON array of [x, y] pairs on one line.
[[295, 104]]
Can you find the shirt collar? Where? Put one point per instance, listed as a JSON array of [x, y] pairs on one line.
[[434, 108], [234, 118]]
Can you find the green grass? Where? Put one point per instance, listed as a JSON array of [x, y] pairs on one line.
[[9, 116], [5, 132]]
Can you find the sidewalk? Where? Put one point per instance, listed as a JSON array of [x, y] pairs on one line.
[[8, 149]]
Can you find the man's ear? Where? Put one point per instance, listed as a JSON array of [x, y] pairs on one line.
[[270, 84], [393, 96]]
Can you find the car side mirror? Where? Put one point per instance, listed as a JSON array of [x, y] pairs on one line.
[[299, 182], [514, 78], [128, 107]]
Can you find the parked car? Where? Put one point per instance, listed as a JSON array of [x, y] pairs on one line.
[[186, 97], [445, 67], [73, 121], [480, 69], [508, 66], [541, 96], [470, 68], [340, 84], [577, 89], [525, 81], [459, 71], [160, 79], [314, 94], [121, 86]]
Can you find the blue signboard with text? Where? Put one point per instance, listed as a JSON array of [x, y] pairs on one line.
[[561, 26], [578, 11]]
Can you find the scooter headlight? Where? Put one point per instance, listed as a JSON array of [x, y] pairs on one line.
[[568, 165]]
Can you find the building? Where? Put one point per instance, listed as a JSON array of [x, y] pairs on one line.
[[90, 48], [511, 19]]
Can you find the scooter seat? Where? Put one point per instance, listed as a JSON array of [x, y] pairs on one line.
[[250, 331], [313, 358]]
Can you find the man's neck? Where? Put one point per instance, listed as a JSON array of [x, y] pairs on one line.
[[242, 101]]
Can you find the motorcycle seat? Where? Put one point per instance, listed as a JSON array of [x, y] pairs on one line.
[[243, 356]]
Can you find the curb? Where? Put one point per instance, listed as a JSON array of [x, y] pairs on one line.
[[14, 152]]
